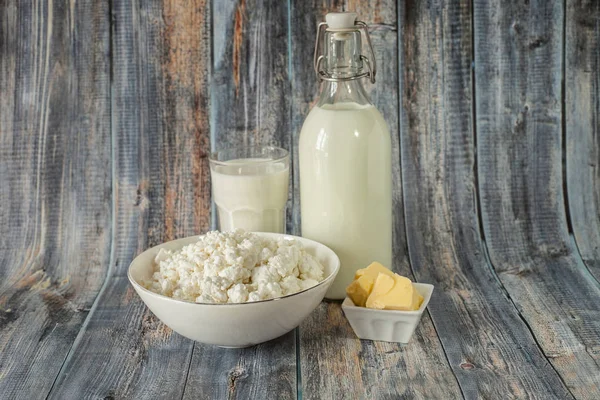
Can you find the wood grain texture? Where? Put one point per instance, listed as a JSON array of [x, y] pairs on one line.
[[490, 349], [160, 146], [333, 362], [55, 190], [265, 371], [518, 59], [336, 364], [249, 106], [582, 114], [124, 352], [250, 87]]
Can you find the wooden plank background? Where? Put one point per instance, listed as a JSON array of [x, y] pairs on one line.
[[160, 169], [519, 131], [582, 127], [109, 109], [56, 190], [474, 319]]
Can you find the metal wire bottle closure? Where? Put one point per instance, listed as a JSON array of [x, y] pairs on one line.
[[318, 58]]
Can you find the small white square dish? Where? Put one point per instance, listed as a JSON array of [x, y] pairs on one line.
[[386, 325]]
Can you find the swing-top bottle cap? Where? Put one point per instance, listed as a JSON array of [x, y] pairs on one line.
[[338, 47], [340, 20]]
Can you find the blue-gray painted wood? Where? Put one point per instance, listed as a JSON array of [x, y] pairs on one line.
[[489, 347], [518, 65], [55, 187], [160, 147], [582, 126], [266, 371], [124, 352]]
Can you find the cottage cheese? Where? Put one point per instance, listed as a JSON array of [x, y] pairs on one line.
[[234, 267]]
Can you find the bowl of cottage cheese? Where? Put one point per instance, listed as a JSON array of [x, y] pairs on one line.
[[234, 289]]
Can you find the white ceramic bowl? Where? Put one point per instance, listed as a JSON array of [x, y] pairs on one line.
[[386, 325], [233, 325]]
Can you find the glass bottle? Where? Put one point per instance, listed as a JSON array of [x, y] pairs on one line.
[[345, 157]]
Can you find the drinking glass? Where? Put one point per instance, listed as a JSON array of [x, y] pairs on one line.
[[250, 187]]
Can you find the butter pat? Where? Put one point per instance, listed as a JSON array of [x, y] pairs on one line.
[[360, 289], [394, 293], [372, 271], [378, 287]]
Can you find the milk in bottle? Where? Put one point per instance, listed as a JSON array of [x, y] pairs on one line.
[[345, 158]]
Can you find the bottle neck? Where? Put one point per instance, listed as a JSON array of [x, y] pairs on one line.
[[342, 60], [343, 92]]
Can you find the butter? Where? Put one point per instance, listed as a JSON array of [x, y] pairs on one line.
[[360, 289], [372, 271], [378, 287], [394, 293]]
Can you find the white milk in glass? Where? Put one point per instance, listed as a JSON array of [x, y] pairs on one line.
[[251, 194], [346, 184]]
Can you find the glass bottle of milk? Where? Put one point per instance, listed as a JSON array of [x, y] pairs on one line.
[[345, 156]]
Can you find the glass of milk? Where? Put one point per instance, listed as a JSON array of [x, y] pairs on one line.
[[250, 188]]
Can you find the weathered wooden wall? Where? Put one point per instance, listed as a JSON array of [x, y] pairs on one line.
[[56, 184], [519, 130], [109, 109], [160, 144], [471, 312]]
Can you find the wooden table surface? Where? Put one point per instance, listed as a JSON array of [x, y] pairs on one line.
[[109, 108]]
